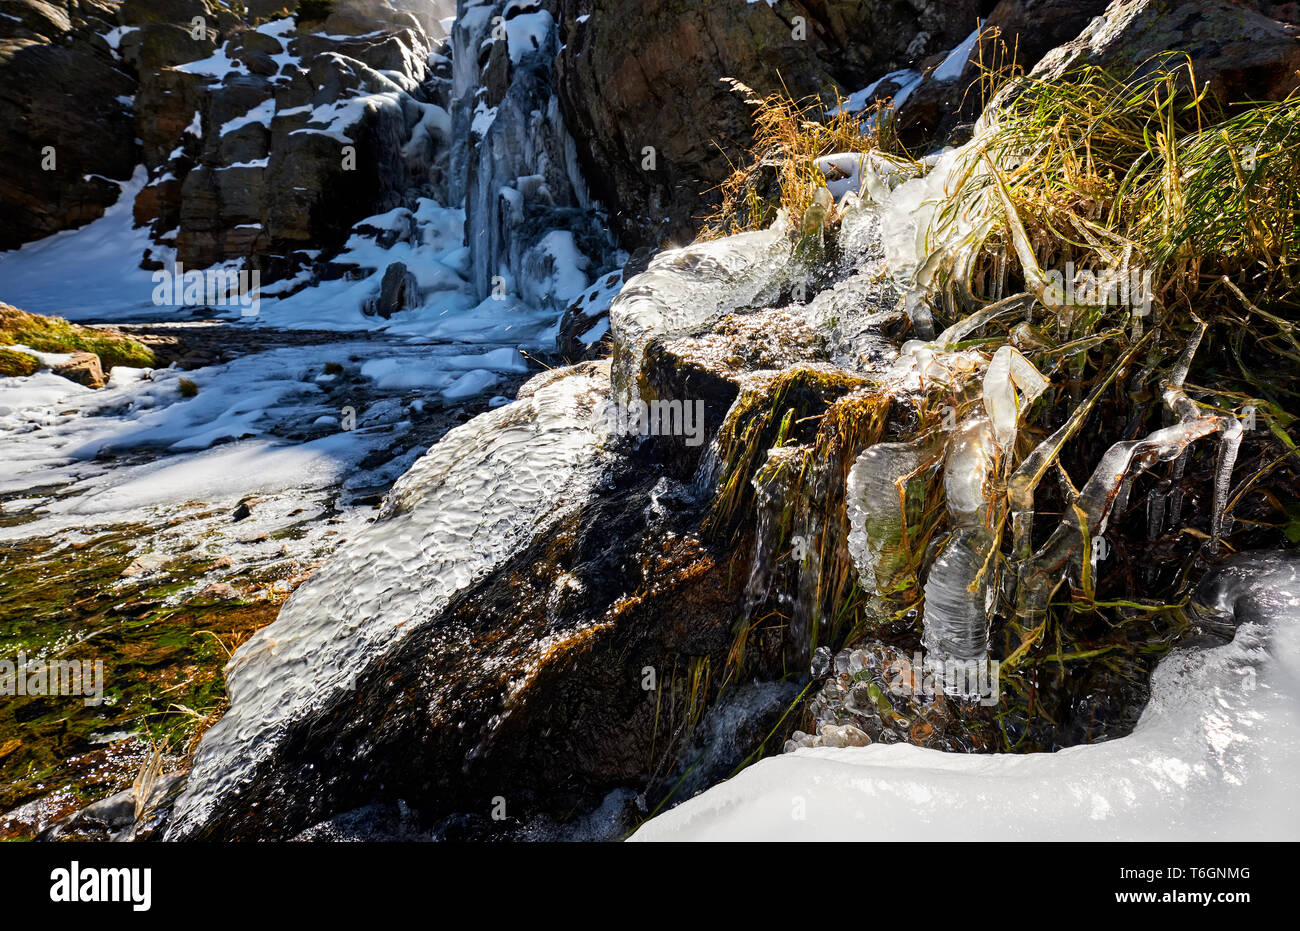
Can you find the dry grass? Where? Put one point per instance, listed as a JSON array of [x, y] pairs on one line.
[[1109, 172], [779, 170]]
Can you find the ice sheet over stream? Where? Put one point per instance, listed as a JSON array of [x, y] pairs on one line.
[[1213, 757], [480, 495]]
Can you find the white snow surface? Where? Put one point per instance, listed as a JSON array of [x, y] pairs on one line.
[[952, 66]]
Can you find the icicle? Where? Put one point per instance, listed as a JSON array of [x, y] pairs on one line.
[[1229, 446], [875, 494], [958, 599], [958, 591], [1009, 376], [1064, 549]]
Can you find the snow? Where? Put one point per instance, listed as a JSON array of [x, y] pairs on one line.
[[115, 35], [527, 33], [472, 383], [47, 359], [261, 114], [223, 474], [568, 273], [22, 398], [218, 66], [1212, 757], [343, 114], [952, 67], [85, 272], [907, 79]]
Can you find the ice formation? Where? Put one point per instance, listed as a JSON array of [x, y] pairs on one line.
[[1210, 757], [683, 289], [481, 494]]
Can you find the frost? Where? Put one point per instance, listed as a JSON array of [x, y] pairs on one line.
[[689, 287]]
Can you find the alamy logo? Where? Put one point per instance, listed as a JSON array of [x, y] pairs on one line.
[[212, 287], [655, 418], [1110, 286], [103, 884], [53, 677], [967, 679]]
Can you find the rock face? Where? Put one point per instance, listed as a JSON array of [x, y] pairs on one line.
[[1016, 31], [398, 291], [1239, 52], [66, 133], [501, 648], [281, 141], [641, 75]]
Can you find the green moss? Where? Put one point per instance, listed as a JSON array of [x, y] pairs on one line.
[[17, 363], [54, 334], [781, 411], [163, 658]]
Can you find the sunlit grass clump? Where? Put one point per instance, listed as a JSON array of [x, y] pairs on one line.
[[54, 334], [1133, 241], [1142, 173], [779, 171]]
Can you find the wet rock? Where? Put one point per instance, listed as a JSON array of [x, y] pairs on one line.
[[877, 693], [399, 291], [124, 816], [28, 820], [523, 679], [584, 328], [84, 368], [220, 591]]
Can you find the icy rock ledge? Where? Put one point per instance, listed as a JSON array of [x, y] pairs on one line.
[[484, 492], [684, 289], [1212, 757]]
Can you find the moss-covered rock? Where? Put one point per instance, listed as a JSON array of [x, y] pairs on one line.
[[17, 363], [54, 334]]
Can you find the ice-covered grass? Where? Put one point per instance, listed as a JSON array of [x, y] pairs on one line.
[[1211, 758]]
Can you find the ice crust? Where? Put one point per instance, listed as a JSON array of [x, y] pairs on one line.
[[477, 497]]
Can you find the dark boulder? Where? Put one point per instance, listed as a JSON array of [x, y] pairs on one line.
[[636, 75], [66, 132]]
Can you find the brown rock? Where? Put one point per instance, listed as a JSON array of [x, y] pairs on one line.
[[66, 130], [1242, 54], [83, 368], [1017, 31]]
